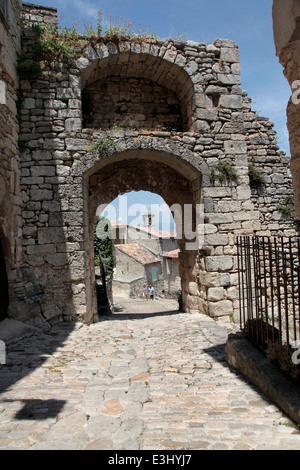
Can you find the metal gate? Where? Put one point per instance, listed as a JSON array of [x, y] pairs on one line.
[[269, 288]]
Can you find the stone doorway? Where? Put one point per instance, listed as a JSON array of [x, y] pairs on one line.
[[4, 298], [144, 237], [176, 181]]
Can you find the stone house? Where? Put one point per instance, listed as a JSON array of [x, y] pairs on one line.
[[146, 245], [171, 277], [136, 266], [60, 160]]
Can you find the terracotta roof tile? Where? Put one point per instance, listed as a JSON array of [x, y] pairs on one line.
[[138, 252], [171, 254]]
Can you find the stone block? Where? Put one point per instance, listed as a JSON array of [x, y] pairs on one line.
[[41, 170], [57, 259], [41, 155], [215, 294], [230, 54], [235, 147], [219, 263], [54, 144], [41, 249], [66, 93], [228, 79], [73, 124], [216, 239], [243, 193], [209, 228], [213, 218], [228, 206], [231, 101], [50, 235], [41, 195], [222, 308], [51, 206], [193, 288], [29, 103], [203, 101]]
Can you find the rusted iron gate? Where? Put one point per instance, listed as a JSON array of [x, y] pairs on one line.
[[269, 288]]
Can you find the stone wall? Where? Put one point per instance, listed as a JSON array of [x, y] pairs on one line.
[[10, 213], [130, 103], [286, 28], [68, 170]]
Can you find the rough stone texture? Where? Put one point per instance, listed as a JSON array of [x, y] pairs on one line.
[[10, 201], [136, 381], [243, 357], [63, 178], [286, 27]]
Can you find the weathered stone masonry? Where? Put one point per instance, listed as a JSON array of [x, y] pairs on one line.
[[10, 201], [171, 111]]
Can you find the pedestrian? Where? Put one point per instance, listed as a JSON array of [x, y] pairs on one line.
[[151, 292], [144, 292]]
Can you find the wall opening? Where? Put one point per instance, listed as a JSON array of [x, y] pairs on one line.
[[131, 103], [136, 91], [152, 171], [146, 249]]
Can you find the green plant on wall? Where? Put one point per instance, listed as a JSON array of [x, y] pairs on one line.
[[102, 143], [287, 209], [223, 173], [256, 179], [103, 244], [53, 43]]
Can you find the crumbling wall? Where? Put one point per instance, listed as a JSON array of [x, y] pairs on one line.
[[10, 212], [67, 169]]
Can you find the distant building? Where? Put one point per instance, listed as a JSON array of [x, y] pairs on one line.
[[171, 277], [139, 251], [135, 266]]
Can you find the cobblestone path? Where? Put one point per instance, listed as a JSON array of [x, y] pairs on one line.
[[148, 382]]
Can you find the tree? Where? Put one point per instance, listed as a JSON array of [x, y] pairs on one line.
[[103, 244]]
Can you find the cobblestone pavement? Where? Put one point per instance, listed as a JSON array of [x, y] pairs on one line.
[[149, 382]]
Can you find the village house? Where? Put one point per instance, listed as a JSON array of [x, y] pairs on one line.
[[136, 266]]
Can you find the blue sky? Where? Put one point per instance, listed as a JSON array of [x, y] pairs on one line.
[[248, 23]]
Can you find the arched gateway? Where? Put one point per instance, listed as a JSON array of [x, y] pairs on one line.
[[162, 116]]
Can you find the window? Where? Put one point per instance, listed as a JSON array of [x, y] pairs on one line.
[[154, 274], [169, 265]]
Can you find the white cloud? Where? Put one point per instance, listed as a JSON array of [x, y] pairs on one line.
[[83, 8]]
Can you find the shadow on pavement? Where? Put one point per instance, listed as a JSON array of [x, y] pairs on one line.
[[24, 355]]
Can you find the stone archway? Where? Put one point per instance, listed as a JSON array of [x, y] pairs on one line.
[[150, 170], [132, 89]]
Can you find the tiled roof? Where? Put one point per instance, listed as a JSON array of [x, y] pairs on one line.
[[171, 254], [154, 232], [116, 223], [138, 252], [150, 230]]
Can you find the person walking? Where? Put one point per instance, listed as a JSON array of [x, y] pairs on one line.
[[151, 292], [144, 293]]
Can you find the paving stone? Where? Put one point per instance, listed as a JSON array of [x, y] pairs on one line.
[[174, 392]]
